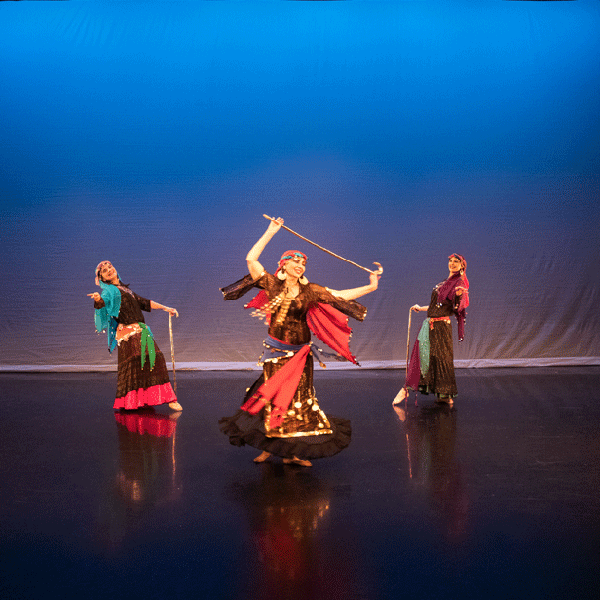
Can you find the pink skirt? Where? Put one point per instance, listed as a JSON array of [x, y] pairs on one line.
[[153, 396]]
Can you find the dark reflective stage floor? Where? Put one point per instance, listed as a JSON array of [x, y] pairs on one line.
[[496, 498]]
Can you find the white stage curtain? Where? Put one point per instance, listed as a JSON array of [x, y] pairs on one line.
[[156, 135]]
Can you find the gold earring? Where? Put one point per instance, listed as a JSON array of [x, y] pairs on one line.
[[281, 275]]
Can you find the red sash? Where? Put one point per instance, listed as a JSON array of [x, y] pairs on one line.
[[279, 389]]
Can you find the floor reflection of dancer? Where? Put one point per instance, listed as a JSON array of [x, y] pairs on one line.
[[146, 477], [431, 437], [281, 414], [285, 510], [431, 367], [143, 378], [147, 454], [290, 529]]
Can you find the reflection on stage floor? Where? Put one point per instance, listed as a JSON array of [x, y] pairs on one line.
[[494, 497]]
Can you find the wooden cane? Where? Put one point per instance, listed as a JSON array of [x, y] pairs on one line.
[[379, 271], [172, 355]]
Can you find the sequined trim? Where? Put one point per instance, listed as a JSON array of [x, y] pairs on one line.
[[275, 434], [318, 354], [312, 402], [440, 319], [124, 332]]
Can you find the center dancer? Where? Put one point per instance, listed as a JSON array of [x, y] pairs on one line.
[[281, 415]]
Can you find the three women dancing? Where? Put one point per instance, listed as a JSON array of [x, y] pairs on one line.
[[280, 414]]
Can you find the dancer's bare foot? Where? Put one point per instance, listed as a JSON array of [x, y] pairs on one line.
[[297, 461], [262, 457], [175, 406], [400, 396]]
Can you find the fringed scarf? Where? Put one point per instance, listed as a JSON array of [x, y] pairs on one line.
[[326, 322], [447, 290], [106, 317]]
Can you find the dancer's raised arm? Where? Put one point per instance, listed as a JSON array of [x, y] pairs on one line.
[[254, 267]]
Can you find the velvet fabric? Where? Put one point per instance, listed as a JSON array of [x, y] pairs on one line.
[[281, 413]]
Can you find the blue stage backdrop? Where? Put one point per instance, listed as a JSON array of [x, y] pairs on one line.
[[156, 135]]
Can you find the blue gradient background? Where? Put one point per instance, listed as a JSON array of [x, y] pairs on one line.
[[157, 134]]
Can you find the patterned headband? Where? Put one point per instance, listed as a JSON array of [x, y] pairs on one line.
[[290, 254], [462, 260]]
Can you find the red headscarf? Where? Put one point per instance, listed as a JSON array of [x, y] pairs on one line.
[[289, 255]]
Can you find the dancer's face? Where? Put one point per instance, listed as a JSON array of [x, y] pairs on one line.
[[295, 267], [108, 273], [454, 265]]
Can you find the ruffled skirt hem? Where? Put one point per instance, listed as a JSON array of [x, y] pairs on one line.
[[246, 429], [152, 396]]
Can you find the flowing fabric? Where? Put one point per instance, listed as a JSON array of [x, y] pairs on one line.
[[431, 366], [331, 327], [152, 396], [279, 389], [447, 291], [105, 318], [142, 375], [414, 369], [260, 300], [424, 347], [326, 322], [419, 359], [147, 343]]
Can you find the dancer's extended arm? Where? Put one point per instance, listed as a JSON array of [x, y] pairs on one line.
[[354, 293], [157, 306], [418, 308]]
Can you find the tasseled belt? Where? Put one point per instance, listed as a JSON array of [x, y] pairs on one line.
[[146, 340], [277, 349], [432, 319], [281, 387]]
